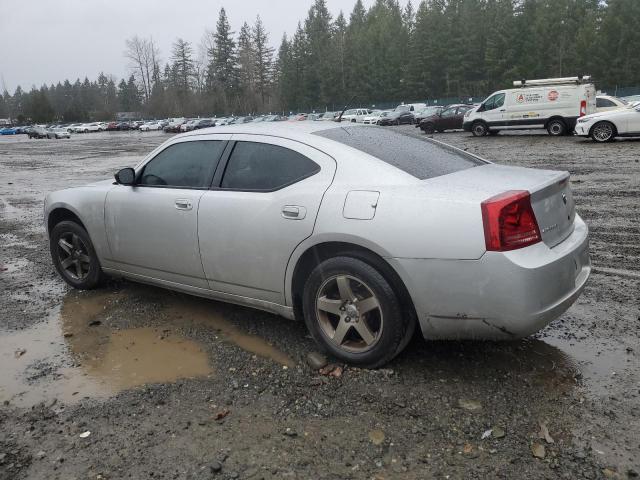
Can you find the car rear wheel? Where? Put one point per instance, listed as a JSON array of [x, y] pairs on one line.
[[352, 312], [603, 132], [556, 128], [74, 257], [479, 129]]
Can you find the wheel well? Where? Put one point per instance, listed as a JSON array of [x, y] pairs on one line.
[[60, 215], [318, 253]]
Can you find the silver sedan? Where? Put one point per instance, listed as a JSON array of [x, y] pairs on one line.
[[364, 232]]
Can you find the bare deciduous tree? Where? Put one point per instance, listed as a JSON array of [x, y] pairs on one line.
[[144, 58]]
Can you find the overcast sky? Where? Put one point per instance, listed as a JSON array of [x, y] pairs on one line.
[[45, 41]]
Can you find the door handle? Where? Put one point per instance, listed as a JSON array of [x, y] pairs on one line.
[[503, 110], [183, 204], [294, 212]]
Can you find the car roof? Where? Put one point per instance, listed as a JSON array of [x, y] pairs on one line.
[[277, 129]]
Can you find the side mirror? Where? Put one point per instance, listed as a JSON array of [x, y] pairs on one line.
[[481, 108], [126, 176]]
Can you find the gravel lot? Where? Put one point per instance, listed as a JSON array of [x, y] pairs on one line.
[[176, 387]]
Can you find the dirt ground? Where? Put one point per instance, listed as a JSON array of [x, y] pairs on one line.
[[136, 382]]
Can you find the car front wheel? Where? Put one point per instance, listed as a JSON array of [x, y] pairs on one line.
[[603, 132], [74, 257], [479, 129], [428, 128], [352, 312]]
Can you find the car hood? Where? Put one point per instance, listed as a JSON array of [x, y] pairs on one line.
[[608, 114]]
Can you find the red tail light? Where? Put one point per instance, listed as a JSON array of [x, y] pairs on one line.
[[583, 108], [509, 221]]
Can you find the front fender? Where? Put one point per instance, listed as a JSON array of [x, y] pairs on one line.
[[86, 203]]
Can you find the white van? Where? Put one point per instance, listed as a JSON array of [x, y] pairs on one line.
[[552, 103]]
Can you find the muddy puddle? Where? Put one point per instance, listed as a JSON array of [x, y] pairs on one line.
[[75, 354]]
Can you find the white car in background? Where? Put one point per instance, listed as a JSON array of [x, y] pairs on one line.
[[88, 127], [145, 127], [604, 103], [73, 127], [356, 115], [605, 126], [372, 118]]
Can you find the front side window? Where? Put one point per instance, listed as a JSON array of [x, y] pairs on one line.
[[449, 112], [186, 164], [494, 102], [262, 166]]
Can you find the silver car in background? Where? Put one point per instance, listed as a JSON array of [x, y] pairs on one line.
[[365, 233], [58, 133]]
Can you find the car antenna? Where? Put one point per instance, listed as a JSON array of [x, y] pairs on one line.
[[345, 108]]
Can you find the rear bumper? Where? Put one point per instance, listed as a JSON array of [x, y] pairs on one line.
[[466, 126], [501, 295]]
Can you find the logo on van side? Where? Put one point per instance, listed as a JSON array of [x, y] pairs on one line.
[[553, 95]]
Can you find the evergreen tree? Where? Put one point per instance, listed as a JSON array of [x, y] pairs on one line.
[[263, 62], [246, 56], [317, 55], [223, 64], [183, 73]]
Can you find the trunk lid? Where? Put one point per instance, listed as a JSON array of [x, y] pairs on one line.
[[550, 192], [554, 209]]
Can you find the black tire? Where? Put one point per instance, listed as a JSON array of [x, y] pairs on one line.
[[479, 129], [603, 132], [395, 329], [94, 275], [428, 128], [556, 127]]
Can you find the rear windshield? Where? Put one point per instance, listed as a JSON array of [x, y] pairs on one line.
[[416, 156]]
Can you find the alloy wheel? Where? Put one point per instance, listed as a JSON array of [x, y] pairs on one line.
[[349, 313], [602, 132], [73, 256]]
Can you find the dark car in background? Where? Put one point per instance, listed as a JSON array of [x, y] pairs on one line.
[[203, 123], [427, 112], [450, 118], [397, 117], [37, 132]]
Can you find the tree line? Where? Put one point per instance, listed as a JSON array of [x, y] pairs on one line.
[[387, 53]]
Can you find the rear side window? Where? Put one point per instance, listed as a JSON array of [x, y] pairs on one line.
[[186, 164], [604, 102], [266, 167], [416, 156]]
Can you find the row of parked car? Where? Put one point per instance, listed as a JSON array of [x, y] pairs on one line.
[[561, 106]]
